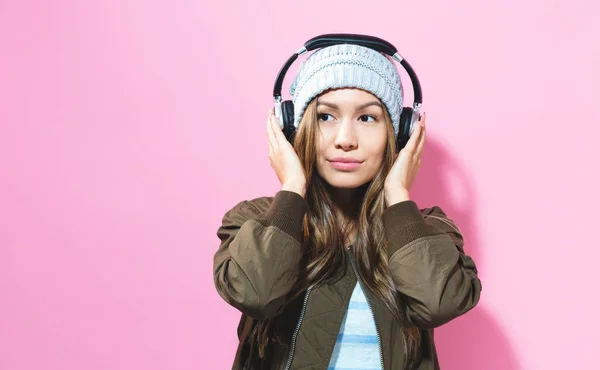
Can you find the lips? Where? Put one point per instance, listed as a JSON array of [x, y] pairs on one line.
[[345, 160], [345, 163]]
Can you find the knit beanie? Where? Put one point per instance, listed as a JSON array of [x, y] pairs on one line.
[[348, 65]]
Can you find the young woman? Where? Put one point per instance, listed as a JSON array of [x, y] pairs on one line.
[[341, 269]]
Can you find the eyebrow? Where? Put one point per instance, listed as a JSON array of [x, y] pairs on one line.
[[360, 107]]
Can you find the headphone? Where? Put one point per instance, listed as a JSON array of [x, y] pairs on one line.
[[285, 110]]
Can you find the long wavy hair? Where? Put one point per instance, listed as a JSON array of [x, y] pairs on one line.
[[325, 236]]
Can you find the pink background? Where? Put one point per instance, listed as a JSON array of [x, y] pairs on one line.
[[127, 129]]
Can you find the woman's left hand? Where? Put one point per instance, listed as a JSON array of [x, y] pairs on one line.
[[404, 171]]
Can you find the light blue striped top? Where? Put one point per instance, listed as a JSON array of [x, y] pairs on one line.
[[357, 346]]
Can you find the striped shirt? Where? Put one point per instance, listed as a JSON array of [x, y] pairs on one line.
[[357, 345]]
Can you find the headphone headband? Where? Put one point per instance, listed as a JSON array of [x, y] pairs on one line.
[[371, 42]]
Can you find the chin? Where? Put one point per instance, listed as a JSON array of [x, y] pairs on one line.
[[346, 180]]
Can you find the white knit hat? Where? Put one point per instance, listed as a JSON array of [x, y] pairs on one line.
[[348, 65]]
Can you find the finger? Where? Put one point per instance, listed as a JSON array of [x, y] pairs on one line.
[[278, 131], [421, 144], [271, 135], [414, 138]]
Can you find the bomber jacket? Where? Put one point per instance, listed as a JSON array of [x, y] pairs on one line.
[[258, 263]]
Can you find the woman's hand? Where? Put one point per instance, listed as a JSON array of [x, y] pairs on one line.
[[404, 171], [284, 159]]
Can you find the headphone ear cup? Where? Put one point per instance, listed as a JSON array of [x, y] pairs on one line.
[[406, 122], [287, 111]]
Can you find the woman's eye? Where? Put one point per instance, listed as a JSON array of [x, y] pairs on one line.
[[325, 117], [367, 118]]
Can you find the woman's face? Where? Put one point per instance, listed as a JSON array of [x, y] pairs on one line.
[[353, 137]]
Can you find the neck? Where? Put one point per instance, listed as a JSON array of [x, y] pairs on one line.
[[347, 204]]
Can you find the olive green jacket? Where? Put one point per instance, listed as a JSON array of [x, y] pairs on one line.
[[258, 263]]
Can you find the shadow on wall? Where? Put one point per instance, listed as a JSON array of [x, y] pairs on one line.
[[474, 341]]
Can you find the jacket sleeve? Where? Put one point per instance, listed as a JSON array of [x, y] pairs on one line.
[[257, 262], [428, 264]]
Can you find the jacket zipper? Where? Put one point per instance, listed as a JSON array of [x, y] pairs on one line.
[[293, 347], [370, 308]]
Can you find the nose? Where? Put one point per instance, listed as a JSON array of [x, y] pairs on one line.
[[345, 137]]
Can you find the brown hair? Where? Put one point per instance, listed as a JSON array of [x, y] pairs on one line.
[[324, 238]]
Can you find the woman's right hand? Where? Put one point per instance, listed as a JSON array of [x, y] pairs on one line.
[[284, 159]]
